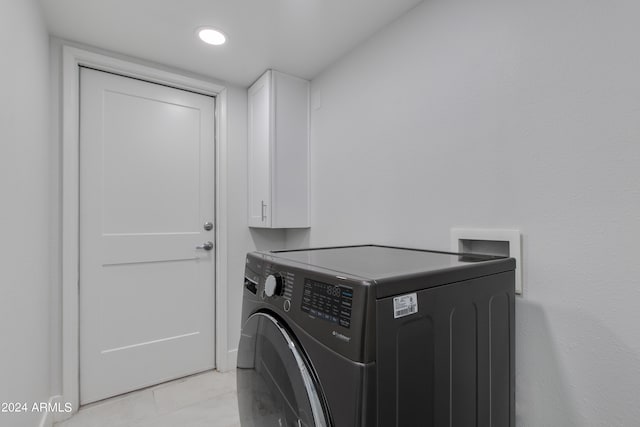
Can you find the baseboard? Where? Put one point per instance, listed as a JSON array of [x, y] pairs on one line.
[[48, 417], [232, 359], [63, 416]]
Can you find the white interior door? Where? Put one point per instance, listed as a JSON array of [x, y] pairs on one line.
[[146, 191]]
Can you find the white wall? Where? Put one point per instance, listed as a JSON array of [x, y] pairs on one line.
[[24, 217], [504, 114], [241, 239]]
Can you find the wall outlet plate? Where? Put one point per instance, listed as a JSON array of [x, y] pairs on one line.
[[491, 242]]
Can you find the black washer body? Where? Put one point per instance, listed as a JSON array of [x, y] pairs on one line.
[[377, 336]]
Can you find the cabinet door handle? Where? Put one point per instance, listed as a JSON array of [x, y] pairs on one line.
[[262, 214]]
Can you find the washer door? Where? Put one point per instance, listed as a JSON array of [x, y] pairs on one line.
[[275, 385]]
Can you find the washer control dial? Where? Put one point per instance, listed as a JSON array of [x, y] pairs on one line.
[[273, 285]]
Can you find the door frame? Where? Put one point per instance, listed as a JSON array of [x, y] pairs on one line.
[[72, 59]]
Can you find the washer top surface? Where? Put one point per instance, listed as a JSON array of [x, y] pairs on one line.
[[381, 262]]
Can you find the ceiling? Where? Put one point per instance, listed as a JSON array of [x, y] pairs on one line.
[[300, 37]]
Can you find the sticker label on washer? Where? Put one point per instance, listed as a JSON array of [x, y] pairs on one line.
[[405, 305]]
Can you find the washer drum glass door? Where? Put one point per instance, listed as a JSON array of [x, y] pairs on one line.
[[275, 384]]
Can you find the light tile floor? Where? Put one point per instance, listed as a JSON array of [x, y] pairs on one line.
[[207, 399]]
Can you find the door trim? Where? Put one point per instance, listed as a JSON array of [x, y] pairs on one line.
[[72, 59]]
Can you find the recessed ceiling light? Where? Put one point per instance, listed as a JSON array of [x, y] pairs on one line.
[[211, 36]]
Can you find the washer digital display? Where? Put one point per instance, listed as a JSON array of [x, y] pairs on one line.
[[329, 302]]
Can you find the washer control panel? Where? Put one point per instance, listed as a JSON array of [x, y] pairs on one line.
[[332, 303], [330, 308]]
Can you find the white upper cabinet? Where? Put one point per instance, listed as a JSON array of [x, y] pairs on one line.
[[278, 152]]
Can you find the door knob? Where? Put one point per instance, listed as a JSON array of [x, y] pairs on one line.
[[207, 246]]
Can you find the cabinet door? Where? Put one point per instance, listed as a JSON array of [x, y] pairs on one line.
[[290, 158], [260, 133]]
